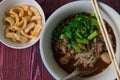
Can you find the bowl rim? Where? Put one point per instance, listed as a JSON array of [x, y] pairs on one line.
[[42, 55]]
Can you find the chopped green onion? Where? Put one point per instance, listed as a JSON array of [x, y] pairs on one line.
[[79, 29], [62, 36], [68, 34], [95, 23], [78, 35], [83, 29], [92, 35], [76, 47], [82, 41]]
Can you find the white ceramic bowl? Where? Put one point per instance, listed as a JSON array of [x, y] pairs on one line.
[[6, 5], [110, 15]]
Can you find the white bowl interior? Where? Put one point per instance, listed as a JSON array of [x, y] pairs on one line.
[[62, 13], [8, 4]]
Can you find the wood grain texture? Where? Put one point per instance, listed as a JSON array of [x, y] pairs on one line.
[[26, 64]]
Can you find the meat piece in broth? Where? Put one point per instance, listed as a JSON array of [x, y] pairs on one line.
[[105, 57]]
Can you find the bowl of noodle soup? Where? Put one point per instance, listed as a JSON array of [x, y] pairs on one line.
[[62, 34]]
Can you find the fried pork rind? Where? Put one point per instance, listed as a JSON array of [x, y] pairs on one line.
[[29, 27], [36, 31], [9, 21], [23, 23]]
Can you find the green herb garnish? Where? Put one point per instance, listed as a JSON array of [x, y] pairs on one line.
[[80, 28]]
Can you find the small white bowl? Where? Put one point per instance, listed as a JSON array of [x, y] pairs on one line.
[[8, 4], [109, 14]]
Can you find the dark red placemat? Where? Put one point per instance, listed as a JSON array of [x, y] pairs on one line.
[[26, 64]]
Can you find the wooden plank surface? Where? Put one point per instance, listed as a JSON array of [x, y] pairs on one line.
[[26, 64]]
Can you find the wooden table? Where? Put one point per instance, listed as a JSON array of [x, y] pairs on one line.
[[26, 64]]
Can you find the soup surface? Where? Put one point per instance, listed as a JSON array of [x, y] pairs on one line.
[[77, 42]]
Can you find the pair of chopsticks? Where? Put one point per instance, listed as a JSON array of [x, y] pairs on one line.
[[106, 38]]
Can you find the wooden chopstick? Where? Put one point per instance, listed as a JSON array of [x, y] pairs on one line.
[[108, 44], [113, 57], [106, 38]]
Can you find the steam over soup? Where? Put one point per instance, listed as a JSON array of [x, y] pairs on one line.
[[78, 42]]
